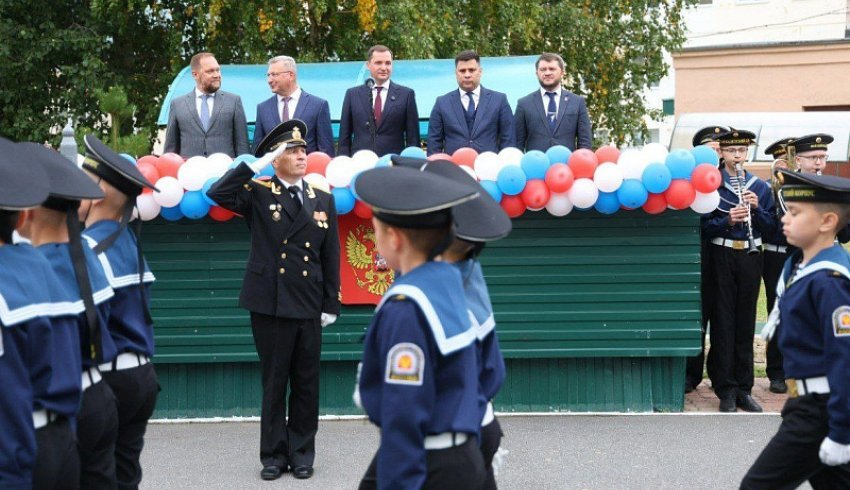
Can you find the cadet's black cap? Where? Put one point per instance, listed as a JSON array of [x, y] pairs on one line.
[[737, 137], [291, 132], [23, 183], [777, 148], [113, 168], [408, 198], [811, 142], [708, 134], [68, 184], [409, 162], [478, 220], [803, 187]]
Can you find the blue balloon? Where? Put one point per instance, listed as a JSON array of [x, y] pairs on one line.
[[492, 188], [705, 154], [558, 154], [129, 157], [193, 205], [171, 214], [681, 164], [632, 194], [206, 188], [245, 157], [385, 161], [607, 203], [511, 180], [267, 171], [413, 152], [344, 200], [535, 163], [656, 178]]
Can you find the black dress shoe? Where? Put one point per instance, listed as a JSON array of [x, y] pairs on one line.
[[302, 471], [778, 386], [747, 403], [727, 404], [689, 388], [270, 472]]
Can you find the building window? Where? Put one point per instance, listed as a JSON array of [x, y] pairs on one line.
[[668, 106]]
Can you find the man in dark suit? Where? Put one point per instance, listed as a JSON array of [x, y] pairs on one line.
[[471, 116], [381, 117], [291, 288], [290, 102], [206, 120], [552, 115]]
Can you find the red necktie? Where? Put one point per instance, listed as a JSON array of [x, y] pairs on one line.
[[378, 106]]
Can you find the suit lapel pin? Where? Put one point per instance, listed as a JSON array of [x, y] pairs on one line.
[[392, 97]]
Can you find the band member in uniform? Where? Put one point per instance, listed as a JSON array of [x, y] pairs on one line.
[[291, 288], [813, 441], [694, 367], [130, 375], [419, 376], [734, 230]]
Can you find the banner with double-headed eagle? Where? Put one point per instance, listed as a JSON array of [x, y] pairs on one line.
[[364, 274]]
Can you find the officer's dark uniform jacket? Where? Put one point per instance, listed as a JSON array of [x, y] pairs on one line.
[[28, 297], [716, 224], [293, 266], [419, 375], [128, 322], [814, 312]]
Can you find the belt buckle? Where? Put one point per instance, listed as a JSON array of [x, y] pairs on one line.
[[792, 388], [739, 244]]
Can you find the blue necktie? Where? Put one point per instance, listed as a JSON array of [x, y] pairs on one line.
[[470, 111], [552, 111], [205, 112]]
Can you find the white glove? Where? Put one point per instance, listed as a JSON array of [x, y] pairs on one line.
[[769, 328], [356, 395], [266, 159], [327, 319], [499, 460], [833, 453]]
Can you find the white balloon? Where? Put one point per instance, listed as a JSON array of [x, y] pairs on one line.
[[318, 180], [217, 165], [559, 204], [487, 166], [147, 206], [705, 203], [632, 163], [583, 193], [219, 158], [510, 156], [655, 152], [340, 170], [170, 192], [364, 160], [608, 177], [193, 173]]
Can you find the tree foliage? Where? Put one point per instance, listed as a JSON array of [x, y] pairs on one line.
[[53, 60]]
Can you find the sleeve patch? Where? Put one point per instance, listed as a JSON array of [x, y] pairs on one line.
[[405, 364], [841, 321]]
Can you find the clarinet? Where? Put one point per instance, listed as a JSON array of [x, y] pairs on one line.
[[739, 171]]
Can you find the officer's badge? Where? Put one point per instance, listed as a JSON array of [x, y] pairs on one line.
[[405, 364], [321, 218], [310, 192], [275, 209], [841, 321]]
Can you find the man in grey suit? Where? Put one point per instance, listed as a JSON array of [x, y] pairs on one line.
[[551, 115], [206, 120]]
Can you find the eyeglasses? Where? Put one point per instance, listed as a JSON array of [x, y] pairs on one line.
[[815, 158], [275, 74], [735, 151]]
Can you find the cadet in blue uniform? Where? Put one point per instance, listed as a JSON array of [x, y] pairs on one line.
[[419, 376], [130, 375], [813, 441], [291, 288], [23, 296], [775, 254], [694, 367], [736, 268]]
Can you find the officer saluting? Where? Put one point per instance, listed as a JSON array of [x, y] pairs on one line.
[[291, 288]]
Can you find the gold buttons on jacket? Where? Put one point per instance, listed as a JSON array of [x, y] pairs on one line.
[[306, 259], [307, 244], [283, 256], [285, 242], [282, 270], [304, 273]]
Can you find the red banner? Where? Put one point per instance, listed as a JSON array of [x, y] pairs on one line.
[[364, 275]]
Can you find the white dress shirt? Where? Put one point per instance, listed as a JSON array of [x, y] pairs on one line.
[[199, 100], [464, 99], [293, 103], [546, 99]]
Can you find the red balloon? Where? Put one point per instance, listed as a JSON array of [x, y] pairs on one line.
[[536, 194], [218, 213], [168, 164], [655, 204], [317, 162], [608, 153], [583, 163], [150, 172], [147, 159], [362, 210], [513, 205], [706, 178], [680, 194], [559, 178], [465, 156], [439, 156]]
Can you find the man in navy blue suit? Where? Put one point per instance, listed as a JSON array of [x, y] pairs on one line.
[[552, 115], [471, 116], [385, 120], [290, 102]]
